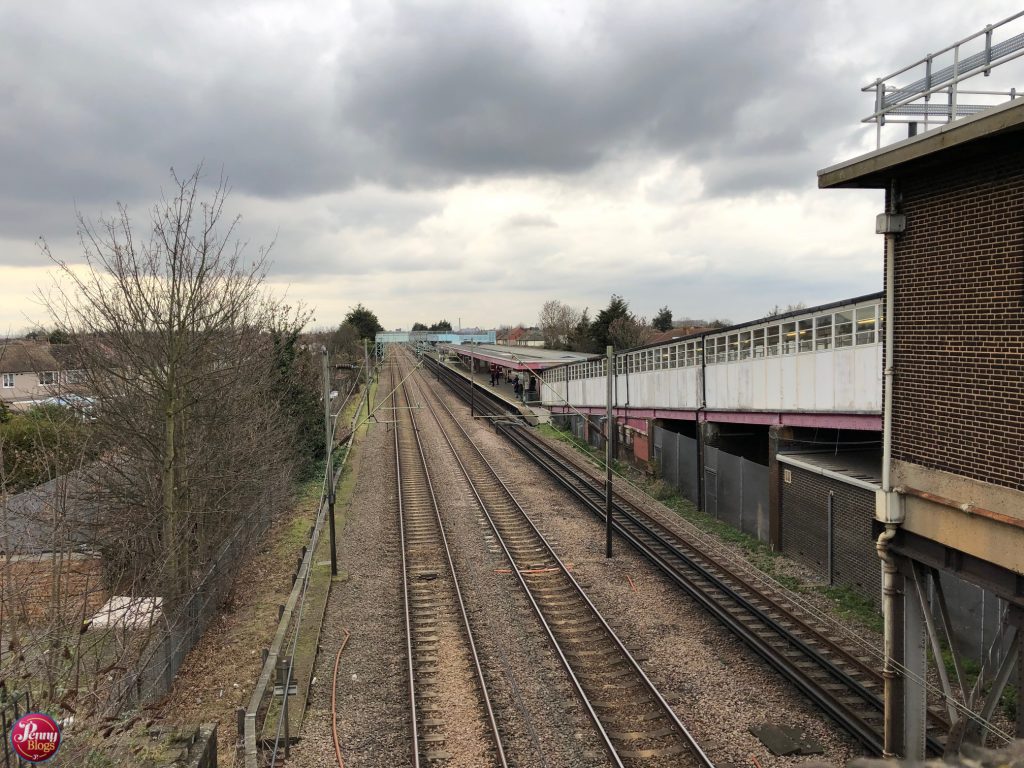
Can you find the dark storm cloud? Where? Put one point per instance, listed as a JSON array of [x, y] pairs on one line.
[[98, 101], [452, 91], [97, 104]]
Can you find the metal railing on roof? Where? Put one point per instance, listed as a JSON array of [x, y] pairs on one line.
[[912, 103]]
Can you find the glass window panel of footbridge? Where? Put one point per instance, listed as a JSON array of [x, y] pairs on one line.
[[823, 332], [733, 346], [844, 328], [744, 345], [757, 342], [788, 338], [805, 334], [866, 325], [772, 340]]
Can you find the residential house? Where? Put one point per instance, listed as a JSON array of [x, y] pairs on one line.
[[31, 371]]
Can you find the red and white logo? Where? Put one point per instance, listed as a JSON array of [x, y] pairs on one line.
[[35, 737]]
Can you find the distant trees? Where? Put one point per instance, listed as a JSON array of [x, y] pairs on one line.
[[364, 321], [776, 310], [663, 320], [564, 327], [629, 331], [557, 322], [345, 344], [442, 327], [579, 337]]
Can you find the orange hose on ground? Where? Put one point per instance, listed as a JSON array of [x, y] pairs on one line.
[[756, 761], [334, 700], [631, 583]]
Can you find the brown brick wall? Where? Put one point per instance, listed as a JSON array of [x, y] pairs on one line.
[[26, 587], [959, 307], [803, 520]]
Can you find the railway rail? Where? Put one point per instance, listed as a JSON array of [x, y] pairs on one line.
[[435, 611], [837, 680], [636, 724]]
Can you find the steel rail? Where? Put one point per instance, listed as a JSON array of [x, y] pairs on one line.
[[652, 691], [635, 531], [647, 535], [413, 709], [634, 535], [406, 414]]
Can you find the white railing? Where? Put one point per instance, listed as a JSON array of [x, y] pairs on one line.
[[941, 73]]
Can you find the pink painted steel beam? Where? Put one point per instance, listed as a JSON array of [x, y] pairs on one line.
[[862, 421]]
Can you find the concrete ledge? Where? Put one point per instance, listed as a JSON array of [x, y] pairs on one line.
[[986, 539], [873, 170]]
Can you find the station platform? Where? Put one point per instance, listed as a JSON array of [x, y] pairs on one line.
[[533, 412]]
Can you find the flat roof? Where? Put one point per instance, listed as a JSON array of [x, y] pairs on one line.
[[519, 358], [873, 170], [860, 468]]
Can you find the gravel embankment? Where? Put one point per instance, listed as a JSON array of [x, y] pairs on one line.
[[716, 686]]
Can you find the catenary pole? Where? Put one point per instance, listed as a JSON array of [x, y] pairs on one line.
[[609, 432], [329, 451]]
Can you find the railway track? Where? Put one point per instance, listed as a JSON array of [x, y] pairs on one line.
[[443, 665], [635, 723], [837, 680]]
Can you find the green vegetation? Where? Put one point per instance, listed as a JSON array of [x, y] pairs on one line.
[[41, 444], [364, 321]]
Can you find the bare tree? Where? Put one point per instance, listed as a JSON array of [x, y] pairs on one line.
[[629, 331], [191, 367], [557, 322], [776, 310]]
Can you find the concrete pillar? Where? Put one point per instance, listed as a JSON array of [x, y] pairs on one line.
[[776, 434]]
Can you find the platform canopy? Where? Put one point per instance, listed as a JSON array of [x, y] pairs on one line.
[[518, 358]]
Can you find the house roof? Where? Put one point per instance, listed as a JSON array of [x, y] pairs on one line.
[[664, 337], [26, 357]]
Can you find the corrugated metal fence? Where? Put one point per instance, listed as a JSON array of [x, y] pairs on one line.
[[736, 489]]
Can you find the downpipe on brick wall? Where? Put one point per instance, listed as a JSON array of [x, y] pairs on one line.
[[892, 512], [889, 673]]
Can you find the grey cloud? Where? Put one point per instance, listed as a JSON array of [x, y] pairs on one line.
[[97, 106], [530, 221], [471, 91]]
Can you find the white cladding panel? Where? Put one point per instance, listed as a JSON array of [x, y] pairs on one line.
[[773, 380], [805, 369], [824, 375], [827, 360], [846, 380]]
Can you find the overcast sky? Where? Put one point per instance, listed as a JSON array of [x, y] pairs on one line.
[[469, 160]]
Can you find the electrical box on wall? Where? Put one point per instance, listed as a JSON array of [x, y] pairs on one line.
[[890, 223]]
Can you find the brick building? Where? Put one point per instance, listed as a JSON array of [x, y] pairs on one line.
[[953, 494]]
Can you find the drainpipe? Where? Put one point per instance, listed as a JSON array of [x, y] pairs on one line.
[[890, 590], [889, 224]]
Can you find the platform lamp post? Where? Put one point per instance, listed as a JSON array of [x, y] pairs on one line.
[[329, 446], [608, 434]]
